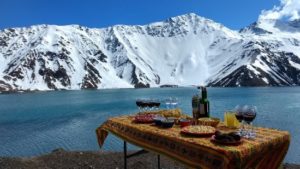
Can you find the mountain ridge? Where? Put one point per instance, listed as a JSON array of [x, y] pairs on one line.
[[183, 50]]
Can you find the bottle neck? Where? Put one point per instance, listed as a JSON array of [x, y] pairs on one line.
[[204, 93]]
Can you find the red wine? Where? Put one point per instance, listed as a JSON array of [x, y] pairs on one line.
[[139, 103], [156, 104], [151, 104], [144, 104], [249, 117], [239, 117]]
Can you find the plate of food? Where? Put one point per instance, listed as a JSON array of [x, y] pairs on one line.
[[231, 138], [144, 118], [198, 130]]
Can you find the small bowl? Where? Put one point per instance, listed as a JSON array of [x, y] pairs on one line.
[[211, 121], [157, 120], [185, 122], [167, 123], [172, 118]]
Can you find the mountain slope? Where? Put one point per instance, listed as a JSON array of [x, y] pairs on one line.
[[272, 51], [183, 50]]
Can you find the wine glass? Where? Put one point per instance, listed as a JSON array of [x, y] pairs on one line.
[[143, 105], [168, 103], [174, 102], [249, 116], [139, 103], [153, 104], [150, 104], [156, 104], [239, 116], [147, 104]]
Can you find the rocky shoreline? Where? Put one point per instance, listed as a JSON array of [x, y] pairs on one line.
[[60, 159]]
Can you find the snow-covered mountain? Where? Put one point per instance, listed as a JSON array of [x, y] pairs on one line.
[[183, 50]]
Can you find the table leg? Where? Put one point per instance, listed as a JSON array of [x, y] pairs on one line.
[[125, 155], [134, 154], [158, 161]]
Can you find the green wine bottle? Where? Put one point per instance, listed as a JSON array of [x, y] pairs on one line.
[[204, 103], [195, 105]]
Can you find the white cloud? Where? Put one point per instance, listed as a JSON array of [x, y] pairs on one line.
[[288, 9]]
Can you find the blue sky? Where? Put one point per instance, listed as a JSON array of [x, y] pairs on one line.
[[234, 14]]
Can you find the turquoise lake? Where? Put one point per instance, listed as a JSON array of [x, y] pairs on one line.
[[36, 123]]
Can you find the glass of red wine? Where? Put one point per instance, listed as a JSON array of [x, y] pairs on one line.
[[146, 105], [248, 117], [153, 104], [239, 116], [156, 104], [139, 103]]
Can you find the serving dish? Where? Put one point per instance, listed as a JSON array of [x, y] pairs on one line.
[[198, 130]]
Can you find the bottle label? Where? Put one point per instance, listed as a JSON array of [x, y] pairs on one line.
[[202, 109], [195, 113]]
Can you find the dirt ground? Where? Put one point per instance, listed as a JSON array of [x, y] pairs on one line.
[[60, 159]]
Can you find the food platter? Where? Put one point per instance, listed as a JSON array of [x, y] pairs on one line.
[[231, 138], [232, 143], [144, 118], [198, 130]]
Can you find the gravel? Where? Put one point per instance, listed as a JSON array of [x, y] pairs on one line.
[[60, 159]]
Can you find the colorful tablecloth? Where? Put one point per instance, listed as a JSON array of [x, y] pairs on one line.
[[266, 151]]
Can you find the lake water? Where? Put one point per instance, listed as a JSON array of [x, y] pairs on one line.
[[36, 123]]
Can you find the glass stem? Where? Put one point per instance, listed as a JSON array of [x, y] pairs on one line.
[[242, 128], [252, 131]]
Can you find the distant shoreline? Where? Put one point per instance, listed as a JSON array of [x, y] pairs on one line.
[[162, 86]]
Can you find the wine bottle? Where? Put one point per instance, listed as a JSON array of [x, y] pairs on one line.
[[204, 103], [195, 105]]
